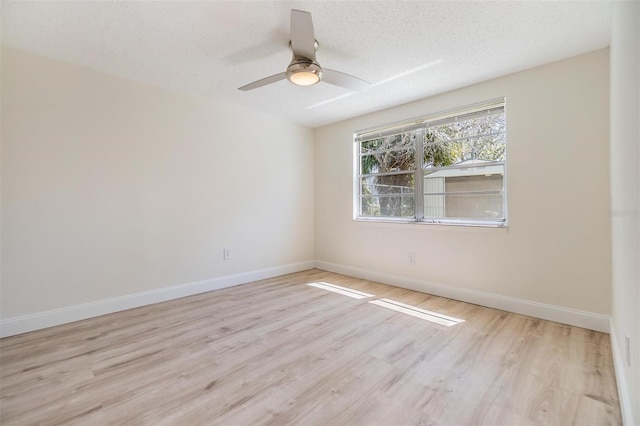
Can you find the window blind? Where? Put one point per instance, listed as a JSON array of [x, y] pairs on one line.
[[483, 109]]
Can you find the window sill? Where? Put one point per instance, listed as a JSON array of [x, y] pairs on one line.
[[400, 223]]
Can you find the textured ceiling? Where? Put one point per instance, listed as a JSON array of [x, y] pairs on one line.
[[408, 49]]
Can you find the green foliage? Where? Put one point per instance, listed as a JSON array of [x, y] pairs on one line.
[[439, 155], [460, 141]]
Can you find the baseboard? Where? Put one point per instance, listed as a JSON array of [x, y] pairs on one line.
[[624, 395], [26, 323], [520, 306]]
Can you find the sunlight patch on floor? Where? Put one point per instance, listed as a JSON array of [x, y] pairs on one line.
[[341, 290], [418, 312], [390, 304]]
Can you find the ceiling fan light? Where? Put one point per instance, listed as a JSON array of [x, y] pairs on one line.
[[304, 78], [304, 73]]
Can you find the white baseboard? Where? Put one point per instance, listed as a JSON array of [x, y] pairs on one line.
[[511, 304], [624, 396], [26, 323]]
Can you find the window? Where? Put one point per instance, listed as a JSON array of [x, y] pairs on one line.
[[445, 168]]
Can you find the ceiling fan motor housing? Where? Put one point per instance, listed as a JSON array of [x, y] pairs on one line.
[[304, 72]]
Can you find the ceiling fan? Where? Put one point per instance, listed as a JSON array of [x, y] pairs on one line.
[[304, 69]]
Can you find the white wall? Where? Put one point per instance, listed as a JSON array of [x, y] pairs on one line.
[[625, 206], [556, 249], [111, 188]]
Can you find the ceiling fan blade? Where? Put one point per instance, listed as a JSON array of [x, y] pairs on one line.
[[303, 40], [347, 81], [263, 82]]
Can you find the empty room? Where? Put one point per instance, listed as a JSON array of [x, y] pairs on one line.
[[320, 212]]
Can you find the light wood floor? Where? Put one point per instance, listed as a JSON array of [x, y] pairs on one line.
[[281, 352]]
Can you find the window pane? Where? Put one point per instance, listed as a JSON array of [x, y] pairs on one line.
[[372, 145], [389, 206], [398, 141], [478, 196], [390, 154], [389, 161], [484, 147], [388, 195], [395, 184], [466, 128], [477, 183], [464, 206], [444, 154], [477, 173], [490, 148]]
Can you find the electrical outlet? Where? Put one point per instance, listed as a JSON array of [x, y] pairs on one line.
[[411, 257], [226, 254], [627, 347]]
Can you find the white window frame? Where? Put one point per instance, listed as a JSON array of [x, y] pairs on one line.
[[419, 125]]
